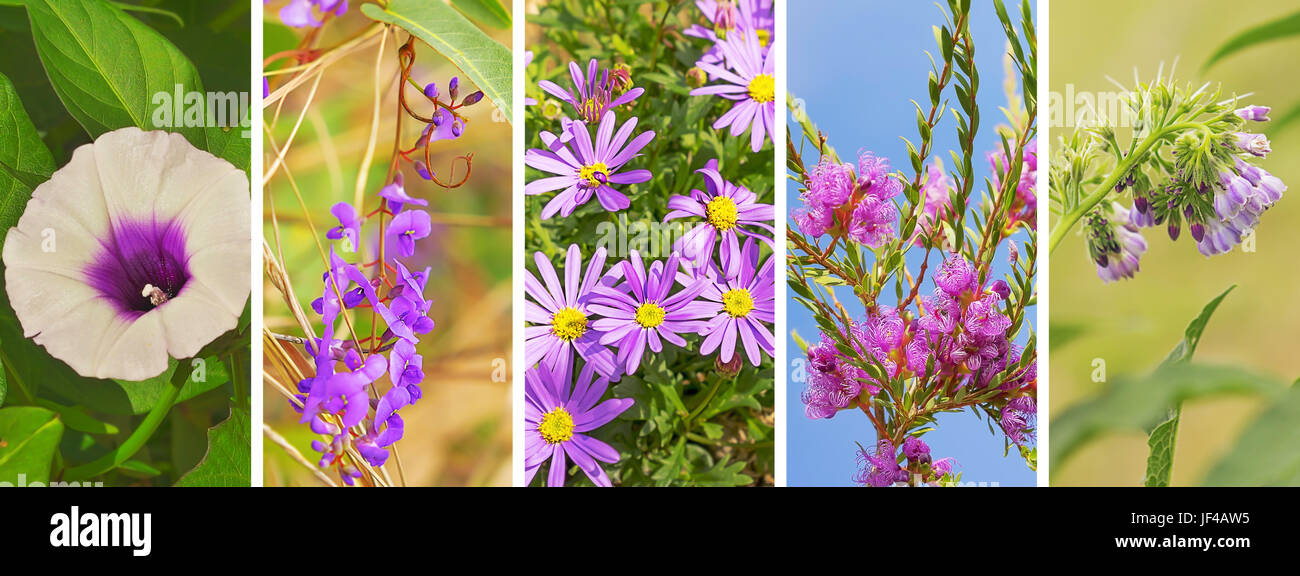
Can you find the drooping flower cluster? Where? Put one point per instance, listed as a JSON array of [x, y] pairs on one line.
[[957, 335], [742, 58], [586, 166], [1214, 190], [860, 207]]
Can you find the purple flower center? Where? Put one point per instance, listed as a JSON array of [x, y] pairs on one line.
[[140, 266]]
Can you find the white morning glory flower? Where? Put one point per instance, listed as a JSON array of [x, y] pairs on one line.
[[137, 249]]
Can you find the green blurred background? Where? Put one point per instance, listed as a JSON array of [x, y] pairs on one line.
[[1132, 324], [459, 432]]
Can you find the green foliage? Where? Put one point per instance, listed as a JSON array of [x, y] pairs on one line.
[[1278, 29], [228, 461], [483, 60], [487, 12], [83, 68], [29, 438], [1161, 440], [1268, 452]]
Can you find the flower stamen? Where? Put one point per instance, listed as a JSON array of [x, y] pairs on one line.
[[568, 324], [721, 213], [737, 302], [649, 315], [762, 88], [595, 174], [556, 426]]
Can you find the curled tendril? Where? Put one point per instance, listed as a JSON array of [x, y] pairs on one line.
[[406, 59]]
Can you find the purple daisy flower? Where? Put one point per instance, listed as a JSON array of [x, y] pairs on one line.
[[725, 16], [642, 310], [559, 315], [594, 92], [740, 306], [588, 168], [557, 419], [726, 208], [751, 86]]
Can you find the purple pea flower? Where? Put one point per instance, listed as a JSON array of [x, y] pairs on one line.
[[740, 307], [749, 83], [349, 228], [406, 228], [558, 417], [588, 168], [643, 309], [727, 209], [395, 194], [300, 13], [559, 317]]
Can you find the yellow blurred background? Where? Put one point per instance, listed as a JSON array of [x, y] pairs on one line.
[[1133, 324], [459, 433]]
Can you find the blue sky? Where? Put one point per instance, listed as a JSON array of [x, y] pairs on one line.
[[857, 66]]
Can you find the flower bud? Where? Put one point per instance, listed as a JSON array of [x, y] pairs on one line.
[[457, 127], [453, 88], [431, 90], [696, 77], [473, 98], [423, 170], [729, 369]]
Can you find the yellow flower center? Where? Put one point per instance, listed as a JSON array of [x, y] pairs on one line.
[[568, 324], [649, 315], [721, 213], [589, 172], [764, 37], [762, 88], [556, 426], [738, 303]]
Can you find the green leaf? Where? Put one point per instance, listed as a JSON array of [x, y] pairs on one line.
[[485, 12], [29, 438], [1131, 404], [76, 418], [1063, 334], [1278, 29], [483, 60], [107, 67], [228, 462], [1268, 452], [1162, 439]]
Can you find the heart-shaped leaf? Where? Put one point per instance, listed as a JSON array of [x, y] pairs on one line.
[[229, 458]]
